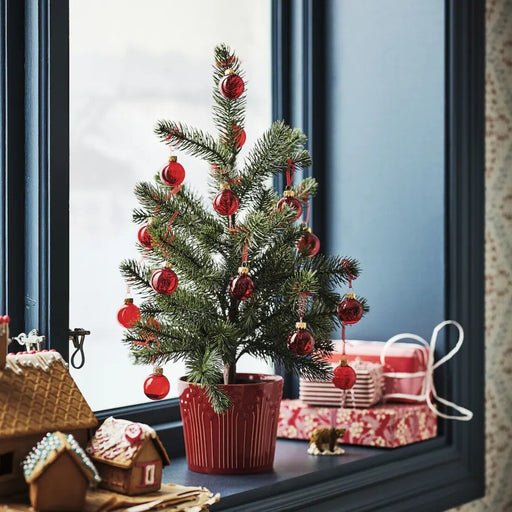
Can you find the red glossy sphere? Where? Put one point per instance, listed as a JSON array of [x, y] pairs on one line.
[[292, 202], [4, 319], [164, 281], [241, 286], [309, 244], [226, 202], [128, 315], [231, 86], [300, 342], [344, 376], [172, 174], [239, 136], [156, 386], [350, 311], [144, 237]]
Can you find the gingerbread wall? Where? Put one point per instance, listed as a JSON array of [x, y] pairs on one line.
[[498, 254]]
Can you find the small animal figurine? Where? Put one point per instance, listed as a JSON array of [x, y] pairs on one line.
[[324, 441]]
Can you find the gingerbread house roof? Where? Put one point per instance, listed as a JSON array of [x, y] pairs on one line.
[[118, 442], [38, 395], [49, 449]]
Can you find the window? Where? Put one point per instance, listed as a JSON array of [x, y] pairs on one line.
[[6, 463], [157, 66], [149, 474], [434, 475]]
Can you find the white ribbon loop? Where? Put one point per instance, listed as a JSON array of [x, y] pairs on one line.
[[428, 388]]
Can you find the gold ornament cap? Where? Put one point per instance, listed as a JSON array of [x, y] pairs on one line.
[[301, 325], [128, 300], [173, 158], [168, 265], [289, 193], [350, 295], [158, 370], [229, 72], [343, 362], [243, 270], [226, 186]]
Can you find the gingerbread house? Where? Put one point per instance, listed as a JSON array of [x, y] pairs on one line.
[[129, 457], [37, 395], [59, 473]]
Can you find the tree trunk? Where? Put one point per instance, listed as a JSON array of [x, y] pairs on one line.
[[229, 373]]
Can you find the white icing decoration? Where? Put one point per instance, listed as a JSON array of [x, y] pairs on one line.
[[38, 360]]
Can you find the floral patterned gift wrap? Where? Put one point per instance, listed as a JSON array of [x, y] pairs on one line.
[[388, 425]]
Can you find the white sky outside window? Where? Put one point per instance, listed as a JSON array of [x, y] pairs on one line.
[[132, 63]]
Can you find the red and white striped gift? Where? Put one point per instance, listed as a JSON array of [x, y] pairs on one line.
[[366, 392]]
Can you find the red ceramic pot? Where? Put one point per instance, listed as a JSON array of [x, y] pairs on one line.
[[243, 439]]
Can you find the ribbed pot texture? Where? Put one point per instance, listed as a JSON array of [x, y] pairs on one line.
[[241, 440]]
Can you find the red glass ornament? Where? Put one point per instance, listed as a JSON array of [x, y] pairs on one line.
[[241, 286], [157, 385], [309, 244], [164, 281], [350, 310], [173, 173], [300, 342], [144, 237], [226, 202], [4, 319], [129, 314], [231, 86], [292, 202], [239, 136], [344, 376]]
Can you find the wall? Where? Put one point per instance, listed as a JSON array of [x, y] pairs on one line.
[[385, 103], [498, 253]]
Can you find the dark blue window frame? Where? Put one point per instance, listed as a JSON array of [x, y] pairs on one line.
[[34, 155]]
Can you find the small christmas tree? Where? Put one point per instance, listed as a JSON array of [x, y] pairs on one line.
[[243, 272]]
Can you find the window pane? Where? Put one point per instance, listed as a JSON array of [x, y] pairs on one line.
[[132, 63]]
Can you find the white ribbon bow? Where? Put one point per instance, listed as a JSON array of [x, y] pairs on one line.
[[428, 387]]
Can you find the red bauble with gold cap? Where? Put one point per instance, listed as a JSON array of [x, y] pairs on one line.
[[241, 286], [164, 281], [231, 85], [290, 200], [309, 244], [350, 310], [173, 173], [129, 314], [144, 237], [157, 385], [226, 202], [300, 342], [344, 375]]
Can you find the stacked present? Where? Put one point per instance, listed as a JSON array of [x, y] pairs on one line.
[[378, 410]]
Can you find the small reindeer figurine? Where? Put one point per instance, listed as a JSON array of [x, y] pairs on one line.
[[324, 441]]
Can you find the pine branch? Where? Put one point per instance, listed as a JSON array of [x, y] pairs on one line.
[[192, 140]]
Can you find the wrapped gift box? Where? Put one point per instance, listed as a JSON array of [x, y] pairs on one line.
[[400, 357], [387, 426], [366, 392]]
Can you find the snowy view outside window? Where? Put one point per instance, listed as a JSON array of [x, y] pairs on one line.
[[132, 63]]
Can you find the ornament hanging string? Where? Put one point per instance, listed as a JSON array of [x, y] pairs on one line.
[[290, 172], [245, 251]]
